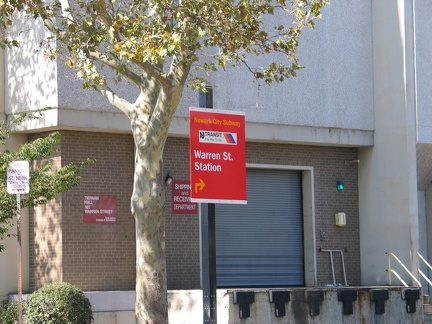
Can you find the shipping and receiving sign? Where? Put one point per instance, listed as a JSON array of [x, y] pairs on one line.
[[217, 156], [100, 209], [181, 198], [18, 177]]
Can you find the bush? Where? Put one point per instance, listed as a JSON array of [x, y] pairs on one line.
[[8, 312], [58, 302]]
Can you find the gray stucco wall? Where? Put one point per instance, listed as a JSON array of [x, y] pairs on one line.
[[30, 77], [424, 70], [334, 89]]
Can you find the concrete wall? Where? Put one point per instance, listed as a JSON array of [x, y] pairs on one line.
[[387, 172], [423, 70], [335, 90], [185, 307], [9, 257], [423, 235], [9, 260], [428, 212], [31, 77]]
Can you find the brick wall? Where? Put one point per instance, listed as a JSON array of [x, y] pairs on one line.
[[96, 256], [102, 257], [99, 256], [182, 231], [329, 165], [46, 244], [46, 238]]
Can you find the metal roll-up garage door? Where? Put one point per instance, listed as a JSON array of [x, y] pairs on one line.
[[261, 243]]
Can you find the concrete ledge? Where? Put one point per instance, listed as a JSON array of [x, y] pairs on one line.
[[117, 122], [427, 309], [307, 135], [114, 317], [185, 307], [111, 301]]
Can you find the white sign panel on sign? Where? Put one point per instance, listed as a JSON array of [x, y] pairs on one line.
[[18, 177]]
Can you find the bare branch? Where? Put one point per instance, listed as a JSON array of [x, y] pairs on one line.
[[123, 105], [116, 66]]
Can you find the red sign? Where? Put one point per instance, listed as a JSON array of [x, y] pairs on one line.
[[100, 209], [217, 156], [181, 200]]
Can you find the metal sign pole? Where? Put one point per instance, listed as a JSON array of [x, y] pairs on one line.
[[18, 198], [208, 265], [18, 182]]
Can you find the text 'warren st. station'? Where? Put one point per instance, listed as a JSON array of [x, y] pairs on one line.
[[209, 166]]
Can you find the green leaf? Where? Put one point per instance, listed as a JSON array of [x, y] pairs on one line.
[[46, 181]]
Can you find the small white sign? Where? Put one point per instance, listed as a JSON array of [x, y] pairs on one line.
[[218, 138], [18, 177]]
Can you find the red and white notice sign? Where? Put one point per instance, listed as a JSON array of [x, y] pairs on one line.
[[18, 177], [181, 199], [217, 156], [100, 209]]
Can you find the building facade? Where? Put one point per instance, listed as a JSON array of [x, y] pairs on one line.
[[359, 113]]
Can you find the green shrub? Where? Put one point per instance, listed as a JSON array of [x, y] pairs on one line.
[[58, 303], [8, 312]]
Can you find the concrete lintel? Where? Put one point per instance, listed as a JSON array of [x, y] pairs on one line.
[[309, 135], [76, 119], [292, 134], [113, 121]]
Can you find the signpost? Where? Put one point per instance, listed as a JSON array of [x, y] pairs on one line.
[[18, 182], [218, 175], [217, 156]]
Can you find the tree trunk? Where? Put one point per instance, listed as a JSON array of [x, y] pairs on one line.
[[150, 121], [148, 200]]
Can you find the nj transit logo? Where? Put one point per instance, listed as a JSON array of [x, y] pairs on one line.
[[217, 138]]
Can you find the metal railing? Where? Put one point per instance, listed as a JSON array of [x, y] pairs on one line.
[[392, 271], [420, 258], [332, 265]]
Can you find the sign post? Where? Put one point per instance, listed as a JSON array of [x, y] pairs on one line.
[[18, 182], [208, 262], [218, 175]]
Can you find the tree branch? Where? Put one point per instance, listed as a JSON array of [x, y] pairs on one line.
[[168, 101], [116, 66], [149, 94], [155, 71], [123, 105]]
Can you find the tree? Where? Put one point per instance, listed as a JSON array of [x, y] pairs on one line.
[[156, 45], [45, 183]]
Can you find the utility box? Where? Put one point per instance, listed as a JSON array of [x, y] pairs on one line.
[[340, 219]]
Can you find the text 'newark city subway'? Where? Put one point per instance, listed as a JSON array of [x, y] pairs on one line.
[[209, 166], [216, 121]]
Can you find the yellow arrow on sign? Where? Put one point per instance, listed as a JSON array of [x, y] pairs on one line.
[[199, 185]]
